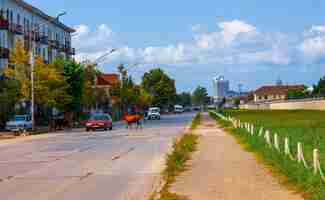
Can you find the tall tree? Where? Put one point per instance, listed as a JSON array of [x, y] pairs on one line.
[[51, 88], [9, 96], [184, 99], [49, 84], [160, 86], [20, 69], [129, 94], [200, 96], [319, 89], [74, 75]]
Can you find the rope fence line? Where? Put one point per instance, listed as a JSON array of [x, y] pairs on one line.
[[266, 134]]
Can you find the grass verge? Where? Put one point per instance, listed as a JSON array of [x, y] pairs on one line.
[[289, 172], [196, 121], [176, 160]]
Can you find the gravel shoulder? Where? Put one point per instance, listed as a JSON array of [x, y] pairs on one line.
[[221, 169]]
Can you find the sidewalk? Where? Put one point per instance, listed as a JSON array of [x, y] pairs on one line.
[[222, 170]]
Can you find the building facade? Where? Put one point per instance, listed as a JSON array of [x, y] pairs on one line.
[[276, 92], [220, 87], [20, 21]]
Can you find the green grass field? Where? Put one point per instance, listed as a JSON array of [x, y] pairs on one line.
[[307, 127]]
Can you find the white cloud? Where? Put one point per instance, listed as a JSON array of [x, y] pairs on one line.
[[197, 28], [233, 29], [317, 29], [233, 42], [93, 42], [313, 44], [313, 47]]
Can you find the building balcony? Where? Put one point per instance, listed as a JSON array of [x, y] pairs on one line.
[[27, 36], [36, 36], [16, 28], [4, 24], [62, 48], [44, 39], [4, 53], [54, 44], [72, 51]]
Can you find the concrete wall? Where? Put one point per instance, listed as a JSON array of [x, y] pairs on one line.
[[303, 105], [260, 106], [261, 98], [288, 105]]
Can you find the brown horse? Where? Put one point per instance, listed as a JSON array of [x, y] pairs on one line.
[[133, 119]]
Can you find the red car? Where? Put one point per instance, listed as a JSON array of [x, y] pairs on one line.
[[99, 121]]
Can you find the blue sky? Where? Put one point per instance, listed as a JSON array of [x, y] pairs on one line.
[[250, 42]]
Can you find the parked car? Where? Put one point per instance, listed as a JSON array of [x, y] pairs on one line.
[[99, 121], [196, 108], [153, 113], [178, 109], [20, 123]]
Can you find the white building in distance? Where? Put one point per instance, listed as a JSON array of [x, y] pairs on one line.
[[220, 87], [21, 21]]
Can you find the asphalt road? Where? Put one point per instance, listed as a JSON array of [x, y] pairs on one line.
[[113, 165]]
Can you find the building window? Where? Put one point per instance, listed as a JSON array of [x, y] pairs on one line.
[[18, 19], [11, 17], [265, 97], [44, 53]]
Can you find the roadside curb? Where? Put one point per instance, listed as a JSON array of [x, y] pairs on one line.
[[160, 182]]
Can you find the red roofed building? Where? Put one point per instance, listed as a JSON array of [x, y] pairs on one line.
[[108, 81], [273, 93], [105, 80], [105, 83]]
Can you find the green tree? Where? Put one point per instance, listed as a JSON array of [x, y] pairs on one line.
[[127, 91], [294, 94], [50, 86], [184, 99], [160, 86], [319, 89], [74, 75], [20, 70], [9, 96], [129, 94], [200, 96]]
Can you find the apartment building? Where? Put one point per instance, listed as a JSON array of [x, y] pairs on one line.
[[49, 37]]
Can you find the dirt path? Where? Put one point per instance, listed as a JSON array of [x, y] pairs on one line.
[[222, 170]]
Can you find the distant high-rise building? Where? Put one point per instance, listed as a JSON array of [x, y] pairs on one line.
[[279, 82], [220, 87]]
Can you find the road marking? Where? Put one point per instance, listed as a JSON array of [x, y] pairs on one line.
[[86, 176], [116, 157]]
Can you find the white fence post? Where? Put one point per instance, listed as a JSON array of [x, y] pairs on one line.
[[315, 160], [252, 129], [267, 138], [261, 131], [300, 155], [276, 142], [287, 148]]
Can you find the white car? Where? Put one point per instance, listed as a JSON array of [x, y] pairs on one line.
[[153, 113], [19, 123], [178, 109]]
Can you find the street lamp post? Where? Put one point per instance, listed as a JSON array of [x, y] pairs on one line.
[[32, 66], [95, 63]]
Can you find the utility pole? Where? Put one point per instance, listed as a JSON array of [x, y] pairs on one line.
[[32, 65], [95, 63]]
